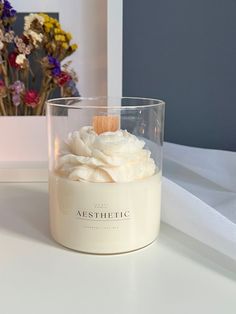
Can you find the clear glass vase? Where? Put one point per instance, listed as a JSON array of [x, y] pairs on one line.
[[105, 165]]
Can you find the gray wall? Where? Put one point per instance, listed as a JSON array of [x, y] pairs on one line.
[[184, 51]]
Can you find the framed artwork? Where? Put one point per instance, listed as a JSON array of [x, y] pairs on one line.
[[96, 27], [87, 22]]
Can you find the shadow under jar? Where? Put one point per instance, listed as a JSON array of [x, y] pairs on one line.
[[105, 165]]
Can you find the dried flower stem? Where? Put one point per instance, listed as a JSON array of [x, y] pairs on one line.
[[44, 92], [2, 107], [6, 80]]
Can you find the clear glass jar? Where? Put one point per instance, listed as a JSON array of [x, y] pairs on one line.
[[105, 165]]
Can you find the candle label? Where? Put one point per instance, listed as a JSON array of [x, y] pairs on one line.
[[103, 216]]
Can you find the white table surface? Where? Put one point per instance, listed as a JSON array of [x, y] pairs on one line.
[[175, 274]]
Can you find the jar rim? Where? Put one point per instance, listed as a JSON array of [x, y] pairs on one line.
[[151, 102]]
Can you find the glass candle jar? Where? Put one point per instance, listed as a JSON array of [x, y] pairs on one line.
[[105, 165]]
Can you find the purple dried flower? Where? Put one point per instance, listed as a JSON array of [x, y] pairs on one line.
[[17, 87], [12, 13], [53, 61], [16, 99], [71, 85], [75, 93], [8, 11], [56, 71], [7, 5], [56, 67]]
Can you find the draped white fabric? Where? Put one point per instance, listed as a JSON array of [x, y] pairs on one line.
[[199, 195]]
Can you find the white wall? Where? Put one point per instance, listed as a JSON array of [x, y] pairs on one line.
[[87, 21]]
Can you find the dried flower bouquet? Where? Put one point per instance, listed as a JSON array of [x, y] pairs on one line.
[[43, 41]]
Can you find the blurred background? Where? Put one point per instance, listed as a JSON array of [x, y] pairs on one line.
[[185, 52], [181, 51]]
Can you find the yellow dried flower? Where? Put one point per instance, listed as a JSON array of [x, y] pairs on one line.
[[65, 46], [60, 37], [56, 30], [48, 25], [74, 47], [45, 16], [68, 36], [57, 37]]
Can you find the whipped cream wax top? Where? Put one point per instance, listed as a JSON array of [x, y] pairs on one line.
[[109, 157]]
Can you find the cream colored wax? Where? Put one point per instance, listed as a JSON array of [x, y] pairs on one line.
[[105, 218]]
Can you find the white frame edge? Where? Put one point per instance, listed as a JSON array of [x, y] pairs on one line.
[[114, 47]]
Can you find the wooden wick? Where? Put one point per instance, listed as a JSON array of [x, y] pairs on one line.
[[103, 124]]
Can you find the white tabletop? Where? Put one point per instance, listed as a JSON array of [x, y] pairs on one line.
[[175, 274]]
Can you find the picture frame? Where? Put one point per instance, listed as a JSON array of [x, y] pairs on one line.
[[97, 29]]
